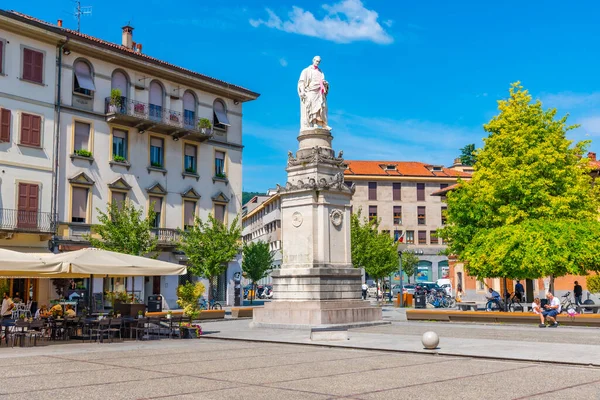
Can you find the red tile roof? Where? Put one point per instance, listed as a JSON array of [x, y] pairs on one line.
[[402, 168], [29, 19]]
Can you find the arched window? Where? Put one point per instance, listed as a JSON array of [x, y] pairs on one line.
[[220, 120], [156, 100], [189, 109], [83, 82], [120, 82]]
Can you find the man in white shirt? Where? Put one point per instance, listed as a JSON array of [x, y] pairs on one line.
[[365, 287], [551, 310], [7, 306]]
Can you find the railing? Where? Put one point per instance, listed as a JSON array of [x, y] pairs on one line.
[[155, 113], [166, 235], [26, 221]]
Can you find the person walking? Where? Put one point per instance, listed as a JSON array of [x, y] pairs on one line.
[[519, 291], [577, 292], [365, 287]]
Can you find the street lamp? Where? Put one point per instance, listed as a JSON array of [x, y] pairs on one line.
[[401, 249]]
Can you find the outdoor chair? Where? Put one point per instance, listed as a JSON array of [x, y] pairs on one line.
[[36, 329], [19, 332], [100, 330], [141, 327], [154, 327], [114, 328]]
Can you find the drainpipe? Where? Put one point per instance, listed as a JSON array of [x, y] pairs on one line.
[[57, 105]]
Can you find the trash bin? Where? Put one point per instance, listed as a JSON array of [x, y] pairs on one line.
[[420, 301], [155, 303]]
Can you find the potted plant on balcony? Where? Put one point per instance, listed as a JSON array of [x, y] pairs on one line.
[[118, 158], [155, 164], [139, 108], [205, 125], [115, 100], [174, 117], [221, 175], [190, 170], [83, 153]]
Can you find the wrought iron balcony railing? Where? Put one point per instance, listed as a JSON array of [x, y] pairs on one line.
[[26, 221], [166, 236], [156, 116]]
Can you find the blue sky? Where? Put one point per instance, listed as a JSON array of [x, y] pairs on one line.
[[410, 80]]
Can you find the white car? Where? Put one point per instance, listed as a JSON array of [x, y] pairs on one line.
[[446, 284]]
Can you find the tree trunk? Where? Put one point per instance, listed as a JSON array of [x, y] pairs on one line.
[[209, 290], [253, 292]]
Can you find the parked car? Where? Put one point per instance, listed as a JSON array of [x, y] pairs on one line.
[[409, 288], [429, 285], [446, 284]]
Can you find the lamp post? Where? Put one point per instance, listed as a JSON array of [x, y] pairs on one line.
[[401, 249]]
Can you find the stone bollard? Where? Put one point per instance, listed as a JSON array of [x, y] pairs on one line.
[[430, 340]]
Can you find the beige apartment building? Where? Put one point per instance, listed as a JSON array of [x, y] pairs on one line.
[[261, 221], [103, 122], [399, 194]]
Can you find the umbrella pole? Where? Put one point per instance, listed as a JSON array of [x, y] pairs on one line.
[[91, 294]]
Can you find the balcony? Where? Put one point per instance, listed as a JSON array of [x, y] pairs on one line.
[[166, 237], [20, 221], [146, 117]]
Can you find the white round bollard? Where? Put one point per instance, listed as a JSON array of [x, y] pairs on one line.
[[430, 340]]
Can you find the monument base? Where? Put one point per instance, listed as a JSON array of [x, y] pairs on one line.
[[311, 313]]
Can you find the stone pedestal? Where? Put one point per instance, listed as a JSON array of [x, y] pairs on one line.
[[317, 284]]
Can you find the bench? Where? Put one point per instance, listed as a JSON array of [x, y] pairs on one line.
[[582, 308], [467, 305], [164, 313], [211, 314], [241, 312], [498, 317]]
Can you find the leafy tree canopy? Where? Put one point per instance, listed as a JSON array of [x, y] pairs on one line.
[[530, 209], [467, 155], [210, 245], [410, 261], [372, 250], [124, 229], [247, 196], [257, 260]]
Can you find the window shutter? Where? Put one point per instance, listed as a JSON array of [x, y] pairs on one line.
[[33, 198], [156, 142], [27, 65], [396, 191], [190, 150], [79, 202], [372, 190], [157, 203], [420, 192], [38, 67], [1, 56], [82, 136], [23, 196], [5, 124], [120, 134], [220, 212], [219, 155], [36, 125], [188, 217], [26, 128]]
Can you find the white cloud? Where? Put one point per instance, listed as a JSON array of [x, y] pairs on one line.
[[283, 62], [570, 100], [345, 22]]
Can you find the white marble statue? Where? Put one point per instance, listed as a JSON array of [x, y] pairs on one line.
[[313, 89]]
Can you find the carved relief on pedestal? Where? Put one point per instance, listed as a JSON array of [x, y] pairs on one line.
[[336, 217], [317, 155], [297, 219]]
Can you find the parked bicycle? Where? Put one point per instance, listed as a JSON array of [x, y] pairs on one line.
[[209, 305], [566, 303], [514, 303]]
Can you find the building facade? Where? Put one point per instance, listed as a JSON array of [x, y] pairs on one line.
[[399, 195], [132, 127], [261, 221]]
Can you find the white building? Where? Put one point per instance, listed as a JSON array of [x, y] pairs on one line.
[[145, 145]]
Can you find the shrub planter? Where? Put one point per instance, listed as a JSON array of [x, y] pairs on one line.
[[130, 309], [188, 333]]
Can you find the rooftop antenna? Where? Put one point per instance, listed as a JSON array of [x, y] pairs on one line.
[[79, 11]]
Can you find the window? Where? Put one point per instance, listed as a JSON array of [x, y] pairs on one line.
[[443, 186], [220, 120], [397, 235], [2, 45], [420, 192], [189, 212], [348, 183], [120, 82], [33, 66], [397, 215], [220, 164], [31, 129], [372, 213], [410, 237], [190, 158], [156, 101], [386, 231], [396, 192], [4, 124], [444, 210], [79, 203], [119, 198], [119, 145], [422, 237], [82, 137], [27, 216], [372, 190], [83, 82], [156, 152], [433, 237], [220, 212], [156, 204], [421, 216], [189, 109]]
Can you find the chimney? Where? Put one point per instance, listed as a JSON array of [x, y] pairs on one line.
[[457, 161], [138, 47], [59, 23], [592, 156], [127, 38]]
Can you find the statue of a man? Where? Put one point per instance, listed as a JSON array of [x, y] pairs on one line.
[[313, 89]]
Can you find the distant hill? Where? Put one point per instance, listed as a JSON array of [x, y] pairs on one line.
[[246, 196]]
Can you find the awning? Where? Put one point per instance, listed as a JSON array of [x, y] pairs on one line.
[[84, 76], [221, 114]]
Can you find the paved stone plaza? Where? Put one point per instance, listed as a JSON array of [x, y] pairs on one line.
[[222, 369]]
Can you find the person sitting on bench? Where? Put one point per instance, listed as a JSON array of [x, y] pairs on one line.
[[552, 309]]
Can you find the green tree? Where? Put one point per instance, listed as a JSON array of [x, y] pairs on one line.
[[593, 283], [209, 246], [247, 196], [188, 295], [468, 155], [124, 229], [372, 250], [409, 264], [257, 262], [530, 209]]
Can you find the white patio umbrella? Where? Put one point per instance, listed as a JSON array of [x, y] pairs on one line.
[[17, 264], [91, 261]]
